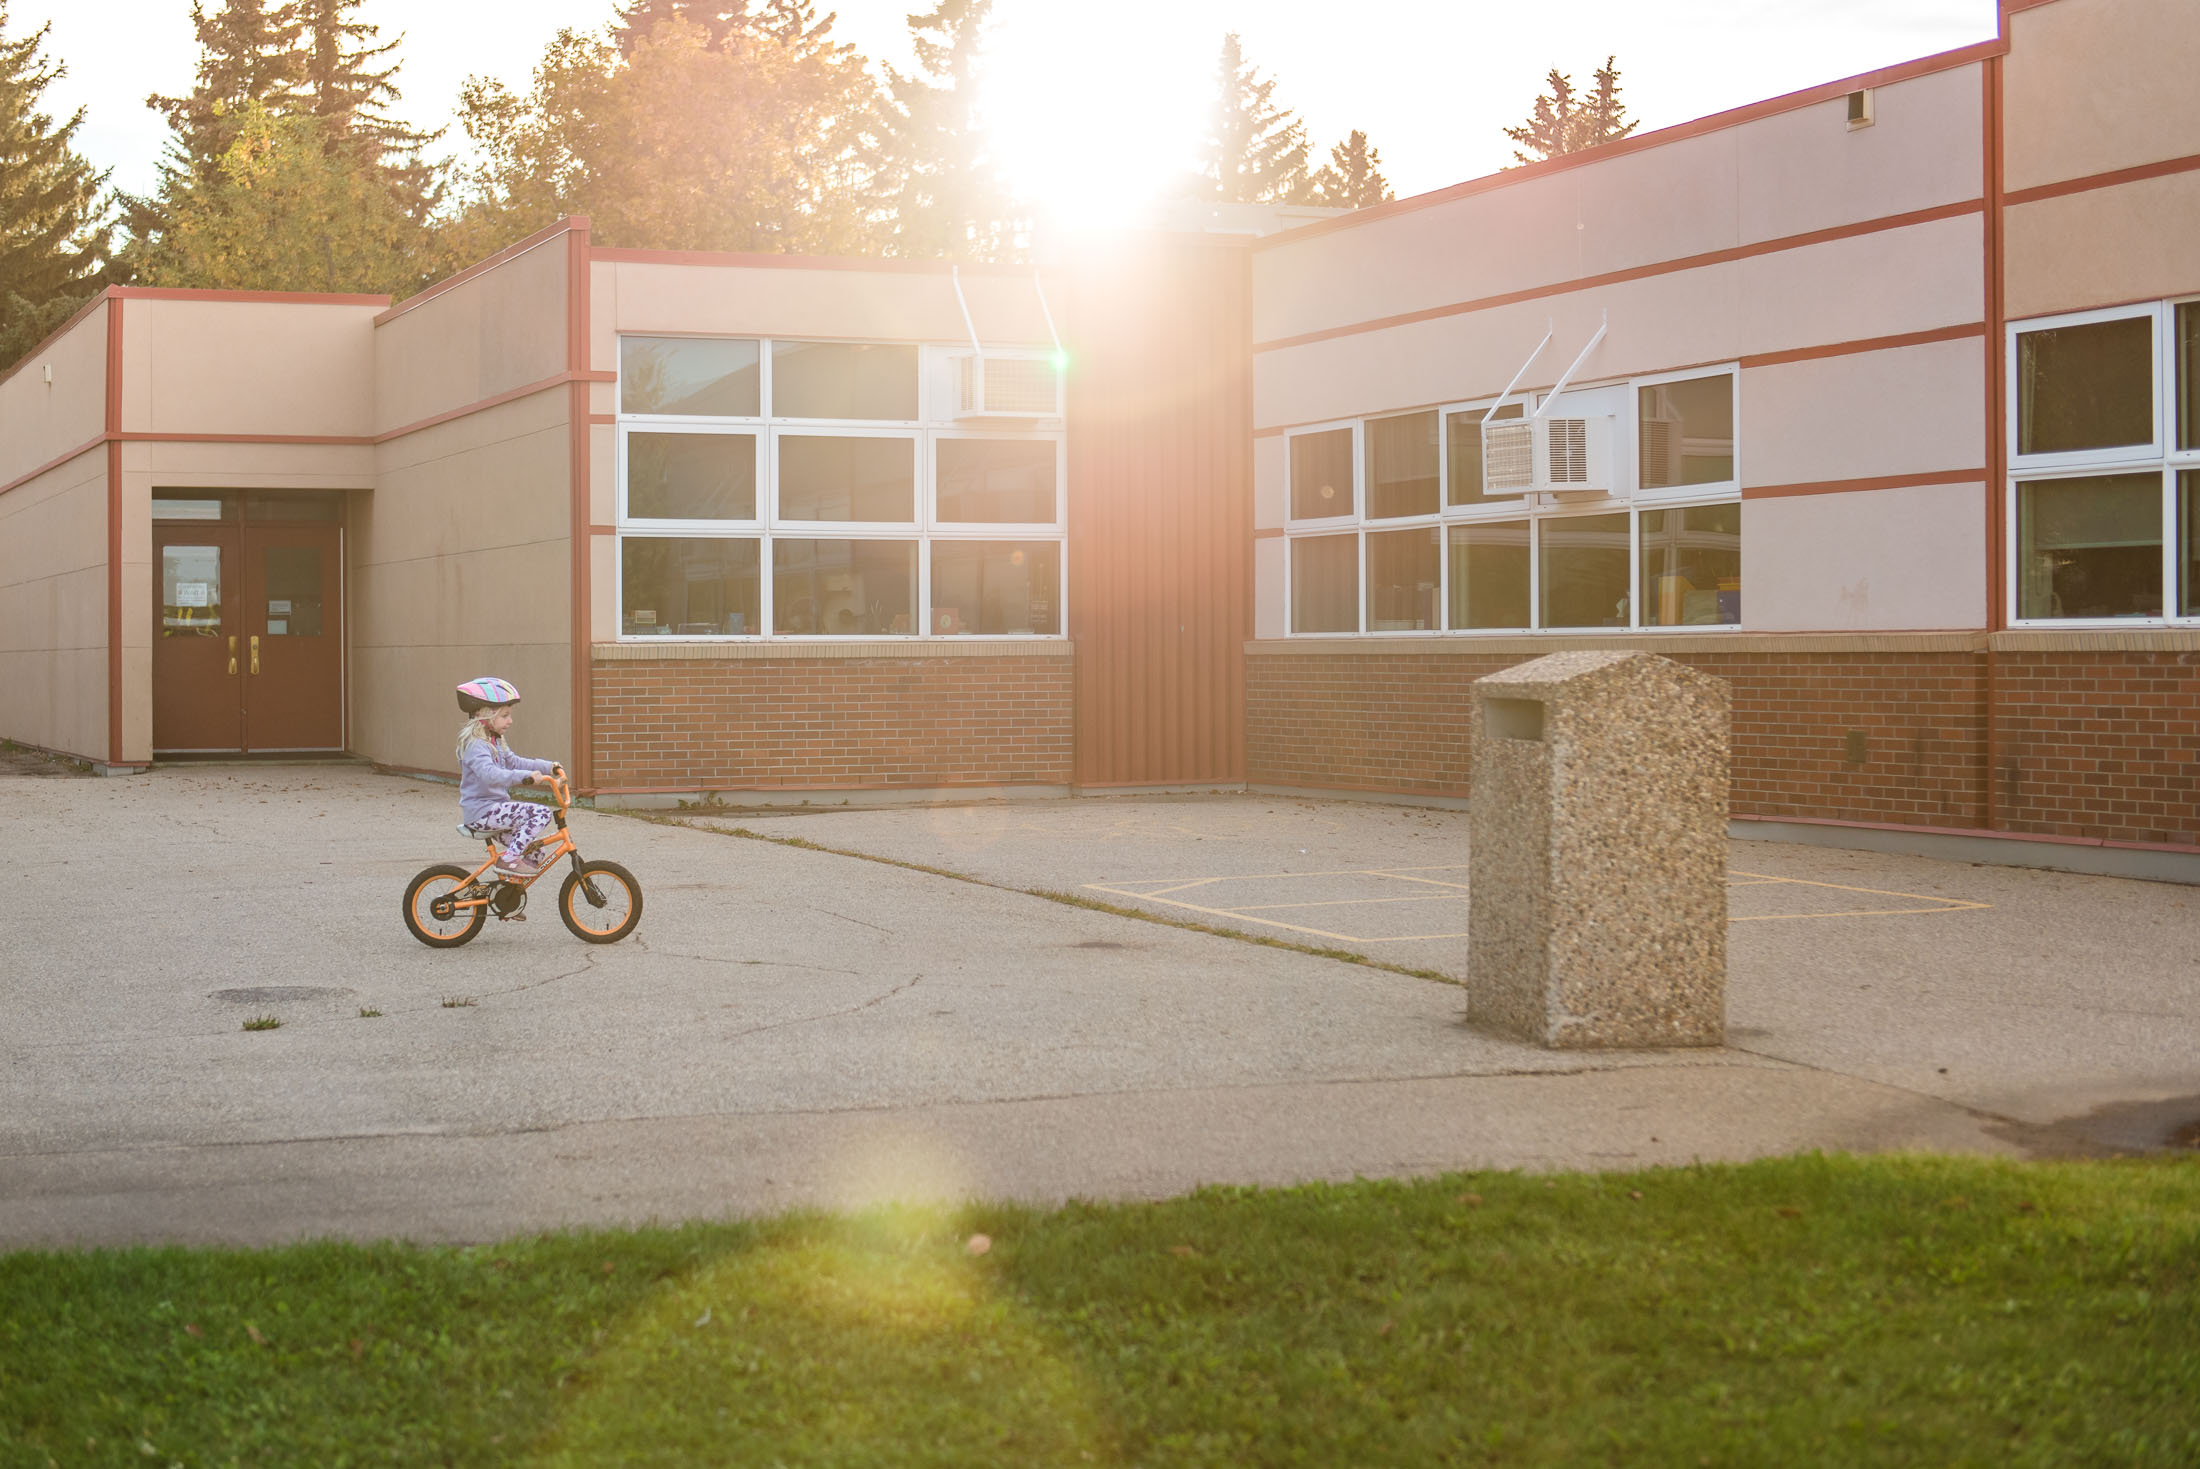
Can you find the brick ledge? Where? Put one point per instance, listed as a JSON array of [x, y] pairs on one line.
[[1441, 645], [891, 652]]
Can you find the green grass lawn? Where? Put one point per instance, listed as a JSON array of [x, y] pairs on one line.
[[1813, 1310]]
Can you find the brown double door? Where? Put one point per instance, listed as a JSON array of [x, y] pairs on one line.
[[247, 638]]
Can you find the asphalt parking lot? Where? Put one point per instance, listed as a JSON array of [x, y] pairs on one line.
[[792, 1025]]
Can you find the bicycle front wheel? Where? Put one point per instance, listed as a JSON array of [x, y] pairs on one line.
[[433, 890], [601, 903]]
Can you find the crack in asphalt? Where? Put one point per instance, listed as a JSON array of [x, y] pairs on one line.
[[872, 1003], [745, 963]]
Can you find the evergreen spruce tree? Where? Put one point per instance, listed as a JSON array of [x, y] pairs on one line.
[[1255, 151], [719, 20], [53, 227], [344, 88], [934, 175], [249, 51], [1563, 123], [1353, 176]]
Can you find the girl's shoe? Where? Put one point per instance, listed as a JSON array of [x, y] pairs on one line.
[[524, 865]]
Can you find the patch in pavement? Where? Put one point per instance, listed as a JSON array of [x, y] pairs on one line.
[[280, 994], [1392, 905]]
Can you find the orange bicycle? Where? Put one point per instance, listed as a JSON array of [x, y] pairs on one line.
[[446, 905]]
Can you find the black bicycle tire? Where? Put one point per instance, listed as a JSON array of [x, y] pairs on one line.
[[412, 923], [567, 895]]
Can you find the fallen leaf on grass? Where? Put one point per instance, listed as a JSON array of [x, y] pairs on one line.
[[1788, 1211], [2026, 1206], [1472, 1201], [191, 1328], [1384, 1329], [1958, 1202], [358, 1349], [978, 1244], [254, 1332], [1182, 1252], [704, 1319], [608, 1267], [1634, 1193]]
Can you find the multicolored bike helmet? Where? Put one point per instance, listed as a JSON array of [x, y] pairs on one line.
[[477, 694]]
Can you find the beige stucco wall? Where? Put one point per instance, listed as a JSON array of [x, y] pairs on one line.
[[53, 609], [247, 367], [40, 421], [1865, 415], [2104, 247], [497, 331], [460, 566], [2093, 86], [792, 301], [1910, 558]]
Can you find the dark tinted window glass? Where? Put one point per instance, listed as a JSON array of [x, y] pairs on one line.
[[1404, 569], [1692, 565], [843, 380], [1321, 474], [1489, 574], [843, 587], [1685, 431], [691, 476], [688, 587], [1401, 465], [705, 376], [996, 481], [2188, 375], [2188, 543], [2085, 387], [996, 587], [1325, 584], [2090, 547], [1585, 571], [293, 591], [824, 478]]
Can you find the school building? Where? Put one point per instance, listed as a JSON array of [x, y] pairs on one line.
[[1880, 401]]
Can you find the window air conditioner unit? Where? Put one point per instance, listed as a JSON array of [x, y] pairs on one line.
[[1558, 456], [997, 385]]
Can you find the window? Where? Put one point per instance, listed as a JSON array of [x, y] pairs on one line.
[[775, 489], [2104, 446], [1321, 474], [1389, 530]]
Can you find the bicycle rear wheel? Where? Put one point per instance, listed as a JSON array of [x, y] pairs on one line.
[[610, 912], [433, 888]]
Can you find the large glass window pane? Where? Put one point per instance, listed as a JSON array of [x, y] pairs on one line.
[[1321, 474], [688, 587], [705, 376], [1401, 465], [1463, 454], [996, 481], [1403, 578], [1325, 584], [2090, 547], [191, 591], [1692, 566], [691, 476], [843, 588], [2085, 387], [843, 380], [167, 508], [822, 478], [2188, 543], [1685, 431], [1584, 571], [1489, 573], [996, 588], [2188, 375]]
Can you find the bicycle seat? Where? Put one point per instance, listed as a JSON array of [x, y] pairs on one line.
[[479, 833]]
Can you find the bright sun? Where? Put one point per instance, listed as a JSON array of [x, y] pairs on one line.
[[1090, 121]]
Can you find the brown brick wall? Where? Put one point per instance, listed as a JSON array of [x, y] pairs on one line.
[[2100, 745], [756, 724]]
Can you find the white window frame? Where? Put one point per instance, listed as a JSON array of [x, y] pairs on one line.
[[1351, 516], [769, 527], [763, 382], [2162, 456], [1632, 455], [1290, 569]]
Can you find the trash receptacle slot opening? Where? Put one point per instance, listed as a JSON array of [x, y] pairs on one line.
[[1513, 719]]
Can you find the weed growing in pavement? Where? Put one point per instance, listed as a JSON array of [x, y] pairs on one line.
[[459, 1002], [365, 1013], [264, 1022]]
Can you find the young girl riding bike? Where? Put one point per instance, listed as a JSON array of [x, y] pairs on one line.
[[488, 769]]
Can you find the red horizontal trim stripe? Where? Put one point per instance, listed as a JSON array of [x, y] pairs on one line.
[[2011, 7], [1716, 122], [498, 401], [603, 418], [138, 437], [265, 298], [1638, 272], [603, 530], [1267, 533], [2136, 174], [1867, 344], [556, 231], [1880, 482], [757, 260], [52, 464]]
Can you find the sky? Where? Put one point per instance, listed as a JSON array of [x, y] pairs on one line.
[[1094, 106]]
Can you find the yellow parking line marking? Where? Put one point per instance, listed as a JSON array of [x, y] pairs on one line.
[[1322, 933], [1852, 913], [1431, 881], [1942, 905]]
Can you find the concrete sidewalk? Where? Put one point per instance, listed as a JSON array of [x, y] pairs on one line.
[[792, 1026]]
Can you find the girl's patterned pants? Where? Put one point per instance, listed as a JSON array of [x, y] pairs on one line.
[[520, 821]]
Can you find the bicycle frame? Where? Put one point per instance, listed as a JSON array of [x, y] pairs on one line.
[[559, 843]]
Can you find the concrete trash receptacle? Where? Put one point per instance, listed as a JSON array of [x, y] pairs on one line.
[[1597, 875]]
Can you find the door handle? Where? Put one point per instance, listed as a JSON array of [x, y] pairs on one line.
[[232, 655], [255, 652]]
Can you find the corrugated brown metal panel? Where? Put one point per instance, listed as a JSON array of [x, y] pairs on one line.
[[1160, 509]]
